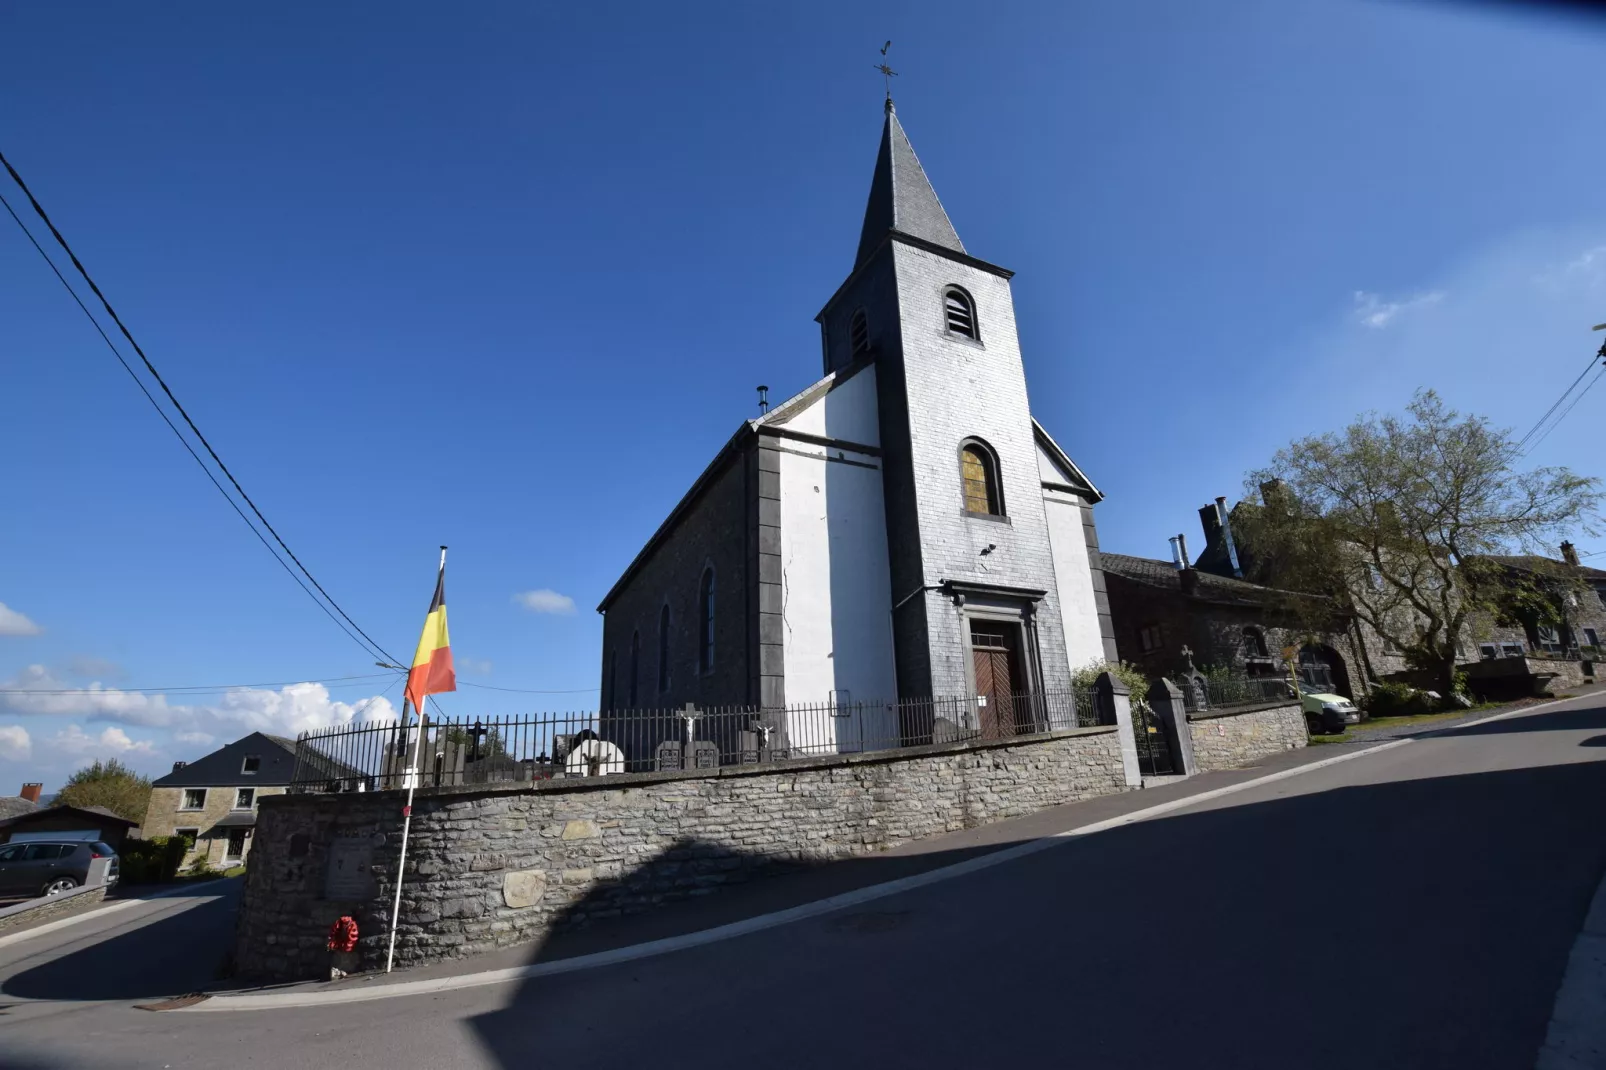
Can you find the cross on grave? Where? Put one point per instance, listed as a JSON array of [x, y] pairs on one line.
[[475, 734], [690, 715], [1187, 653]]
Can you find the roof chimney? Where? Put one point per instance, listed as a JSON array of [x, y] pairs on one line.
[[179, 765], [1182, 545], [1569, 554], [1177, 561], [1226, 534], [1211, 524], [31, 792], [763, 400]]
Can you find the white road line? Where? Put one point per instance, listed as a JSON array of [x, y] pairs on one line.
[[99, 912], [262, 1001]]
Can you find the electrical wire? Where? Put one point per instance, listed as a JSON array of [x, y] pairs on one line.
[[150, 367], [1571, 406], [188, 689], [1522, 444], [530, 691]]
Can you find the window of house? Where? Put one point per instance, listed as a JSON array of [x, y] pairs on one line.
[[859, 333], [705, 624], [978, 472], [235, 850], [190, 834], [635, 666], [244, 798], [1549, 639], [194, 799], [1512, 650], [1149, 638], [663, 649], [1488, 651], [1254, 643], [960, 312], [251, 764], [1591, 638]]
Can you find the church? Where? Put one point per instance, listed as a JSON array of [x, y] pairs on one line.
[[903, 529]]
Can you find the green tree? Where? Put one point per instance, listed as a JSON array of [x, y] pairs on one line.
[[110, 784], [1395, 518]]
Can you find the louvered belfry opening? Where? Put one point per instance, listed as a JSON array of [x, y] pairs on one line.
[[961, 313], [859, 333]]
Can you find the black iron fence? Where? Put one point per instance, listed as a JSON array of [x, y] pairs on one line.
[[1207, 691], [378, 756]]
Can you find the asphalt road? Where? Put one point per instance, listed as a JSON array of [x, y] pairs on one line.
[[1410, 908]]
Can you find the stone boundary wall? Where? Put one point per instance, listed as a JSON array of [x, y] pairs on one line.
[[49, 908], [1233, 736], [494, 866]]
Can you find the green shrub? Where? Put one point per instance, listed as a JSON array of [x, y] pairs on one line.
[[1390, 699], [1128, 674], [152, 861]]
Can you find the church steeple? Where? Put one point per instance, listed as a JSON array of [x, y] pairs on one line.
[[901, 197]]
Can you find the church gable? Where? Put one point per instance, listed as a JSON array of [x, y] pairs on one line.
[[1057, 469], [841, 407]]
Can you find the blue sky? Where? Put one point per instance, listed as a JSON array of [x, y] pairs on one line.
[[506, 279]]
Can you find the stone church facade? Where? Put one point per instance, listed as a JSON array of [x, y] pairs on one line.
[[901, 529]]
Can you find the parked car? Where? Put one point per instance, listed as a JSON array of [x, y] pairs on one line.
[[1327, 713], [45, 867]]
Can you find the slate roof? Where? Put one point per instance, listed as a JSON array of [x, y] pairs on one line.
[[1535, 563], [1164, 575], [222, 768], [15, 806], [901, 197], [49, 811]]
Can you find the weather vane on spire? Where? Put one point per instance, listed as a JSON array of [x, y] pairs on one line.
[[886, 72]]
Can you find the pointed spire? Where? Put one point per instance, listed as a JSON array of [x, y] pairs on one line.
[[901, 197]]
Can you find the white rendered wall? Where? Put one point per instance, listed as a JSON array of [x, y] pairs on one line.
[[835, 596], [1074, 577]]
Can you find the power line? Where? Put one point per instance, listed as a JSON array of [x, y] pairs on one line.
[[530, 691], [1523, 443], [1570, 407], [62, 241], [189, 689]]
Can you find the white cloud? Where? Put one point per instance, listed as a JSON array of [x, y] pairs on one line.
[[14, 623], [545, 601], [111, 743], [197, 739], [286, 711], [15, 743], [478, 666], [1374, 312]]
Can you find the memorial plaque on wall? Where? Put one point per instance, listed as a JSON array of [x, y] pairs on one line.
[[349, 874]]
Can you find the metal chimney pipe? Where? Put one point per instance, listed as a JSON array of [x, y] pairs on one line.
[[763, 400], [1176, 554], [1226, 535], [1182, 545]]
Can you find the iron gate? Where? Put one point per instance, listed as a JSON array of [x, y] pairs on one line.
[[1154, 746]]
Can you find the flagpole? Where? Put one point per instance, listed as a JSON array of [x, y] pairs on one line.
[[407, 817]]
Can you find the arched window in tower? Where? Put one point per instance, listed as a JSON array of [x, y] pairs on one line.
[[978, 473], [635, 666], [859, 334], [1255, 643], [960, 312], [663, 649], [705, 629]]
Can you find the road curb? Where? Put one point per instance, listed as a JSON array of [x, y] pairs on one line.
[[1576, 1036], [100, 912]]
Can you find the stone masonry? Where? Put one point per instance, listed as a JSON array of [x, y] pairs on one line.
[[1238, 735], [164, 815], [492, 867]]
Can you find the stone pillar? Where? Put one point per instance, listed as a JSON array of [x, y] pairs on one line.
[[1165, 699], [1115, 706]]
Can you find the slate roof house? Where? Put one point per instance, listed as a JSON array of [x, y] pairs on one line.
[[213, 800], [903, 528], [25, 801]]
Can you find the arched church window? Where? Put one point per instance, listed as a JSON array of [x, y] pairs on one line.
[[960, 311], [705, 644], [978, 472], [663, 649], [635, 665], [859, 333], [1255, 643]]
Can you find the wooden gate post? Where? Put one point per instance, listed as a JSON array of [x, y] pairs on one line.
[[1115, 707]]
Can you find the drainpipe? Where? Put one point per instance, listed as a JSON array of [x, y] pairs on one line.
[[1226, 534]]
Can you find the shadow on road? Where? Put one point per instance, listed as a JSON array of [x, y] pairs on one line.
[[1549, 721], [181, 950], [1237, 937]]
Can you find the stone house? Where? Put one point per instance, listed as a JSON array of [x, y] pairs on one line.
[[213, 800], [88, 823], [1577, 621], [903, 528]]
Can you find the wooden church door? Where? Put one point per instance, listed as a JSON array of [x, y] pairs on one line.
[[997, 676]]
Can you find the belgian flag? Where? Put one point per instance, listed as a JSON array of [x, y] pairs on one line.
[[432, 664]]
